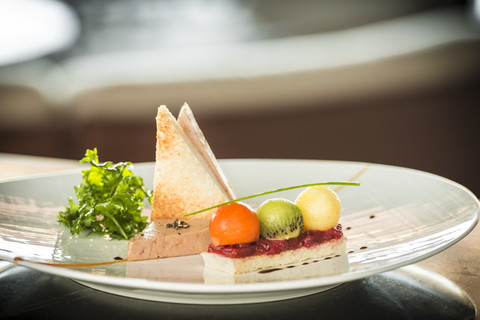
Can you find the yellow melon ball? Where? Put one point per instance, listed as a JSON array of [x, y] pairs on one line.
[[320, 207]]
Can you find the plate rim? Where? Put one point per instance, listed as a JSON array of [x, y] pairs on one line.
[[184, 287]]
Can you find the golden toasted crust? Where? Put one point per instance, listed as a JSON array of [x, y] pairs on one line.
[[182, 181]]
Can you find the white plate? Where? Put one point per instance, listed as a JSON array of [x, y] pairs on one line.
[[396, 217]]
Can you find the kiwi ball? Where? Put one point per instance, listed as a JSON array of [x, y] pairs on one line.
[[280, 219]]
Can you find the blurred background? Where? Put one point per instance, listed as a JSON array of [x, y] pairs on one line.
[[383, 81]]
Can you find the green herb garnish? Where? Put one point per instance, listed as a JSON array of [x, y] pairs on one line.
[[110, 200], [274, 191]]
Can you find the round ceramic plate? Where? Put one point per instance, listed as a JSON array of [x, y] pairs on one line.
[[396, 217]]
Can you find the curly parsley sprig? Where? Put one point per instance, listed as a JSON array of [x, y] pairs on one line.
[[110, 200]]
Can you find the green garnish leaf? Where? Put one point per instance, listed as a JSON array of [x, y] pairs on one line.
[[342, 183], [110, 200]]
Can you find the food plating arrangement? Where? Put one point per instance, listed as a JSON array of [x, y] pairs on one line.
[[189, 189]]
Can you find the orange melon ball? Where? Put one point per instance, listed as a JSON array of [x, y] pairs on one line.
[[234, 223]]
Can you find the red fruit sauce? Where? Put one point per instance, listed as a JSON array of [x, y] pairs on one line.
[[306, 239]]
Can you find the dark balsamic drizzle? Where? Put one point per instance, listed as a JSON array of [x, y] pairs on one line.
[[293, 266], [269, 270], [361, 248]]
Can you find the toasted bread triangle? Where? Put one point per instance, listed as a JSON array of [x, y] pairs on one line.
[[184, 181], [190, 127]]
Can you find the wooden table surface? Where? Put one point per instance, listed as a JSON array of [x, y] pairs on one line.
[[459, 263]]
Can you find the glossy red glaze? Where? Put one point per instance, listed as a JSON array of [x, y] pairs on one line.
[[270, 247]]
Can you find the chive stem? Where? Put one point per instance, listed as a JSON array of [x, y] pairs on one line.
[[274, 191]]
